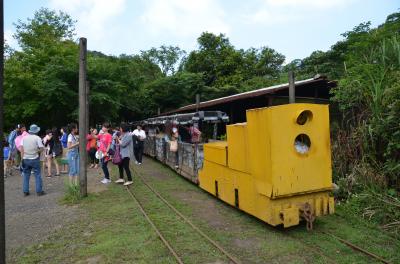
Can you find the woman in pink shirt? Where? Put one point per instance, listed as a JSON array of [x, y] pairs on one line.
[[105, 140]]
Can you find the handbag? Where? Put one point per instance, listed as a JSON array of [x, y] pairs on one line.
[[99, 155], [117, 159]]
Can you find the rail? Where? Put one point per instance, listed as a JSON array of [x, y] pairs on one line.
[[210, 240], [173, 252], [215, 244]]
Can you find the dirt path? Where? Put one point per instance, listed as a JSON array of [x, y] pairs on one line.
[[31, 219]]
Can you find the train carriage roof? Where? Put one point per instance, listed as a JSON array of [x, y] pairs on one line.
[[189, 118]]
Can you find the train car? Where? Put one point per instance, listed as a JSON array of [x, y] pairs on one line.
[[190, 156], [276, 166]]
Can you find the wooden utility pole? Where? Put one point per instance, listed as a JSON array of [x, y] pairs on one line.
[[82, 116], [197, 102], [87, 107], [2, 203], [292, 93]]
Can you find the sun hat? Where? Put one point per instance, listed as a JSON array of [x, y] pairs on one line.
[[34, 129]]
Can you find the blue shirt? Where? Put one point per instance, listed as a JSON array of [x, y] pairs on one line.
[[64, 140], [11, 139], [6, 153]]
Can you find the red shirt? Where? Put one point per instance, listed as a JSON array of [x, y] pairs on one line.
[[105, 141]]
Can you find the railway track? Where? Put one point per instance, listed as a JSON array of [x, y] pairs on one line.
[[184, 218], [232, 259], [357, 248]]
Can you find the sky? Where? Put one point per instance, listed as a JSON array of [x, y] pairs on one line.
[[294, 28]]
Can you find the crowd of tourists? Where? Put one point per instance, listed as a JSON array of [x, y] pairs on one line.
[[24, 150]]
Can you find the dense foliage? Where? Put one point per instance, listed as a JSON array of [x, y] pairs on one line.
[[366, 141], [41, 79]]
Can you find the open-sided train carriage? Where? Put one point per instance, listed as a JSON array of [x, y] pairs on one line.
[[190, 156]]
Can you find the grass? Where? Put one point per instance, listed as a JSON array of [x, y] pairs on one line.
[[113, 230], [72, 194]]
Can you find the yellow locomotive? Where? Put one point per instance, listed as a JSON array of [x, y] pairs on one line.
[[276, 166]]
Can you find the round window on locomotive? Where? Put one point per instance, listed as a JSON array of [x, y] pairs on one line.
[[302, 144], [304, 117]]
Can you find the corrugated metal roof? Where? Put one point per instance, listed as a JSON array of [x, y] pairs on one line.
[[249, 94]]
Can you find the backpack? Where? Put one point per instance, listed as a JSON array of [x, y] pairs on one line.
[[117, 158], [57, 148]]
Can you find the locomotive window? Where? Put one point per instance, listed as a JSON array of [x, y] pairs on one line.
[[304, 116], [302, 144]]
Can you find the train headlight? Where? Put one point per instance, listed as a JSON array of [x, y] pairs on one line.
[[302, 144], [304, 117]]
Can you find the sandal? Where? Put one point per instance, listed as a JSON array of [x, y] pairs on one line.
[[58, 174]]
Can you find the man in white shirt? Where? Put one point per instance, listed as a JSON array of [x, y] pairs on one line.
[[31, 147], [138, 143]]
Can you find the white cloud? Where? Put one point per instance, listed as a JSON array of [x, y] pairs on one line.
[[95, 17], [184, 18], [272, 12], [10, 40]]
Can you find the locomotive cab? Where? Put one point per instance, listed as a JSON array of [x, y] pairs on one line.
[[276, 166]]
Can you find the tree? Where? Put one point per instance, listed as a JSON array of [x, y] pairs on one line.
[[167, 57], [40, 80], [222, 65], [47, 26]]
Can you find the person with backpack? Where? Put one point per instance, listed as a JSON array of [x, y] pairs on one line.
[[53, 148], [56, 149], [124, 146], [11, 142]]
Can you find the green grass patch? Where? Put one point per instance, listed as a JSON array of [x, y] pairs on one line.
[[72, 194], [113, 230]]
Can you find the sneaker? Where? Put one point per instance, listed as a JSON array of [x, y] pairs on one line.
[[41, 193], [128, 183], [139, 163], [105, 181], [26, 193], [136, 162], [120, 181]]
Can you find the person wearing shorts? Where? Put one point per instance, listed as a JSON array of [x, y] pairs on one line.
[[73, 155]]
